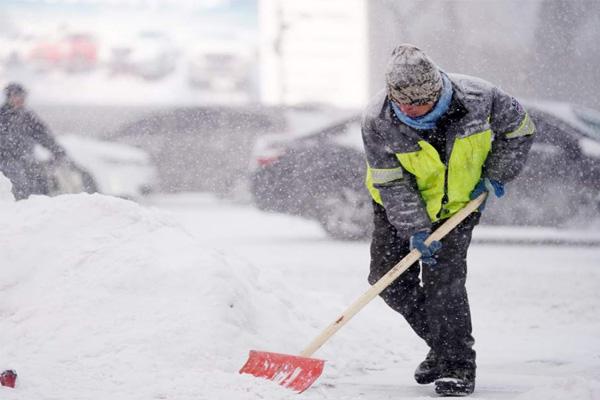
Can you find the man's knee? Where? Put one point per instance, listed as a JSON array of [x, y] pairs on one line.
[[402, 298]]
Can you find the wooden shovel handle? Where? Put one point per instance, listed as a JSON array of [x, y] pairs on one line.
[[391, 276]]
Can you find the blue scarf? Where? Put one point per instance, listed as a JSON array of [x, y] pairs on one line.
[[428, 120]]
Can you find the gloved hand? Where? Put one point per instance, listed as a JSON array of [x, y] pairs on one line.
[[417, 241], [487, 185]]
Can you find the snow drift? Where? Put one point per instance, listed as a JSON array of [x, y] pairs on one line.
[[102, 298]]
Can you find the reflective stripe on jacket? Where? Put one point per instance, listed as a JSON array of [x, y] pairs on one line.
[[406, 174]]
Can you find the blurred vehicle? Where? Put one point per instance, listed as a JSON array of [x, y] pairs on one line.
[[320, 175], [201, 148], [81, 52], [220, 67], [150, 55], [46, 55], [100, 166], [75, 52], [560, 183]]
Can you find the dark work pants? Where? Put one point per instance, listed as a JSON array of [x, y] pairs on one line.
[[436, 304]]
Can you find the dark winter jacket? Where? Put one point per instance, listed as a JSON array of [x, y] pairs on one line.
[[20, 131], [476, 106]]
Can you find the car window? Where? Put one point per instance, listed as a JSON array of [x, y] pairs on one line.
[[350, 136]]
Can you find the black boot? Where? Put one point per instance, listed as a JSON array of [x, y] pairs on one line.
[[457, 379], [429, 370]]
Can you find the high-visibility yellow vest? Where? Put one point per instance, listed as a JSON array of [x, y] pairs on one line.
[[467, 158]]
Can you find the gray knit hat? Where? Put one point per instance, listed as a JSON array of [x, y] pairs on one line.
[[412, 77]]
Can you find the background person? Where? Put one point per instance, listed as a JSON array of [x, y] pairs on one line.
[[20, 130]]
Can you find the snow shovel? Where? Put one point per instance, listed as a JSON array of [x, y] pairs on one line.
[[301, 371]]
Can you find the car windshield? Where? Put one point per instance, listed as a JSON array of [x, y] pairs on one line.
[[591, 119]]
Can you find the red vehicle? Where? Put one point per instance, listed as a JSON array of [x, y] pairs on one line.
[[74, 53], [81, 52], [46, 55]]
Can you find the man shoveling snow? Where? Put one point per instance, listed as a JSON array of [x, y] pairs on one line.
[[433, 142]]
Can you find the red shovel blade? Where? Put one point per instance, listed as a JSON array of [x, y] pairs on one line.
[[293, 372]]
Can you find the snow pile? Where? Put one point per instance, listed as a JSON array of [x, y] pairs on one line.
[[102, 298]]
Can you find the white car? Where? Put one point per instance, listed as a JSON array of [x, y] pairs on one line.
[[221, 67], [100, 166], [150, 55]]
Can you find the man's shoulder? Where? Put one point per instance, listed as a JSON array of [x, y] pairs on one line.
[[375, 105], [470, 84]]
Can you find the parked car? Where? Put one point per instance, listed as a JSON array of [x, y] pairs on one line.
[[81, 52], [201, 148], [100, 166], [75, 52], [320, 175], [221, 67], [560, 184], [46, 55], [151, 55]]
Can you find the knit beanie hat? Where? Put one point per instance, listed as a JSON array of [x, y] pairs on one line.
[[412, 77]]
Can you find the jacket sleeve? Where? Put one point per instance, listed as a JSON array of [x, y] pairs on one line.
[[401, 199], [42, 136], [513, 135]]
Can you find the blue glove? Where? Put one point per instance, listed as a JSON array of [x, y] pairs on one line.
[[417, 241], [487, 185]]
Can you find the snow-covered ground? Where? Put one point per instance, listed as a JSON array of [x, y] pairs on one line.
[[102, 298]]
